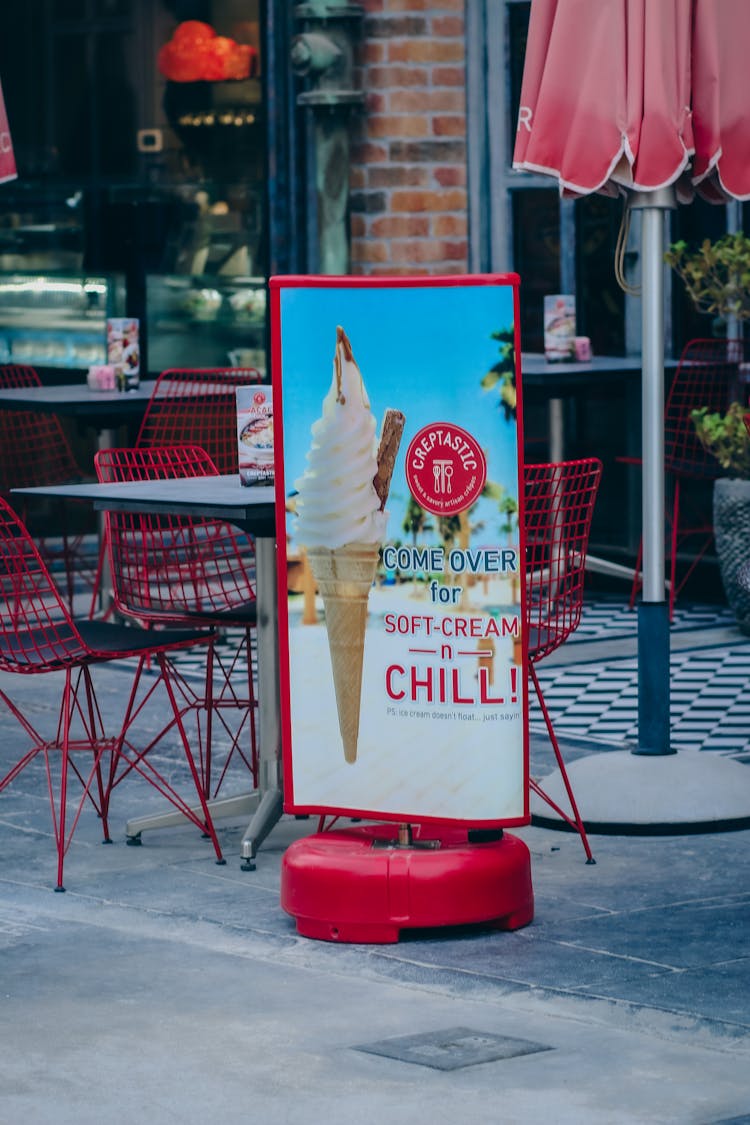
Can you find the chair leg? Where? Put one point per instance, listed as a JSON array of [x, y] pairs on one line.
[[207, 826], [575, 821], [130, 757], [221, 696], [66, 744], [209, 698], [228, 699]]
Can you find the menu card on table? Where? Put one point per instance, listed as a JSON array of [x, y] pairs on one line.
[[255, 434], [123, 351], [559, 327]]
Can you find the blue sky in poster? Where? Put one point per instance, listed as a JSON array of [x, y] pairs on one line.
[[422, 350]]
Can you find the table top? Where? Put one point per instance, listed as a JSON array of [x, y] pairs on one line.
[[77, 400], [536, 370], [219, 497]]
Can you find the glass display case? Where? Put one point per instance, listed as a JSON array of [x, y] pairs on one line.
[[202, 321], [57, 320]]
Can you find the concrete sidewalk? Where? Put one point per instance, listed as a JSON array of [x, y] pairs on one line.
[[164, 987]]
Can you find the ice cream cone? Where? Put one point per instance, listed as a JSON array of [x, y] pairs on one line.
[[344, 577]]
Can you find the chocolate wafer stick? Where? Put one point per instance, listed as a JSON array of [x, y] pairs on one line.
[[390, 439]]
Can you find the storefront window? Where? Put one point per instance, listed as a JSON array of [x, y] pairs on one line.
[[127, 170], [536, 243], [600, 302]]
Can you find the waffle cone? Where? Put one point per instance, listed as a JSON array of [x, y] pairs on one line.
[[344, 577]]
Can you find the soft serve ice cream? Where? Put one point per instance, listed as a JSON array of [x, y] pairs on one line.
[[342, 521], [337, 502]]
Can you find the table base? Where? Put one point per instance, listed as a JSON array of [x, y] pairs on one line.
[[264, 810]]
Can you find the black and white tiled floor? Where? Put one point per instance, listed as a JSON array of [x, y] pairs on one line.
[[709, 689], [598, 698], [609, 618], [709, 686]]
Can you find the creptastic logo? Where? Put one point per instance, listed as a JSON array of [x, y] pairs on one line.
[[446, 469]]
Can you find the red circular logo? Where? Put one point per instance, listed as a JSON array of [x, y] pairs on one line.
[[259, 397], [445, 469]]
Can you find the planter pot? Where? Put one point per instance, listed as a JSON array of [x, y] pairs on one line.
[[732, 533]]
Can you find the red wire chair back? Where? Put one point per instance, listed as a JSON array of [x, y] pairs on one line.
[[197, 407], [168, 566], [185, 570], [34, 449], [19, 375], [559, 506], [708, 374], [37, 633]]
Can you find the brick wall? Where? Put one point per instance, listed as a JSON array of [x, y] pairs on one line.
[[408, 176]]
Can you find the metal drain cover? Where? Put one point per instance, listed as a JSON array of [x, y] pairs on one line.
[[453, 1048]]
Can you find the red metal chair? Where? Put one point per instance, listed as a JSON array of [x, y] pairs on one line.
[[34, 450], [175, 570], [38, 635], [197, 407], [708, 374], [559, 505]]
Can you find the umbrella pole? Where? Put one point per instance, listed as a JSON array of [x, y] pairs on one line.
[[653, 611]]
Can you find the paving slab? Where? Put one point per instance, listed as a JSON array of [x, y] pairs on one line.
[[163, 985]]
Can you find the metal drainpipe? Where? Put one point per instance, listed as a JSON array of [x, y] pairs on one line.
[[324, 53]]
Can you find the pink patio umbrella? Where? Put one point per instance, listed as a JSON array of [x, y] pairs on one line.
[[648, 98], [7, 159]]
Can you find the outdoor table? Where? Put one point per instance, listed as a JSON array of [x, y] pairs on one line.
[[252, 509], [566, 380], [104, 410]]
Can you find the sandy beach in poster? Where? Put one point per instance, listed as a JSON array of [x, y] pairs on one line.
[[441, 759]]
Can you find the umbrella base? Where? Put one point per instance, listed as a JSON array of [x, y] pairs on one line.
[[653, 680], [619, 793]]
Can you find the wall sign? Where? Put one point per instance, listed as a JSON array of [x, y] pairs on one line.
[[397, 408]]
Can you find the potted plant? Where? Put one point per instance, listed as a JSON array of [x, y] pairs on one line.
[[716, 276], [725, 436]]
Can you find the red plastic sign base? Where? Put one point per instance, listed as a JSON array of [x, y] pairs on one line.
[[359, 885]]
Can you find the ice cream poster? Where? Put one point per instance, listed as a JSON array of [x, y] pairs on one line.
[[398, 413]]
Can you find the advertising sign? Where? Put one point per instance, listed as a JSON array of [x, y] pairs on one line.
[[397, 408], [123, 350]]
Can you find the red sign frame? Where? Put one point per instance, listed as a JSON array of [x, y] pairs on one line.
[[284, 323]]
